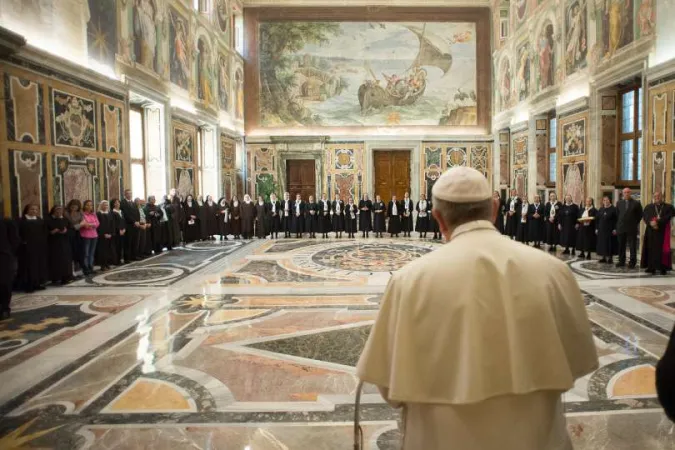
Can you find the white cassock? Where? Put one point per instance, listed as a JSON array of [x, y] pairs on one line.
[[481, 366]]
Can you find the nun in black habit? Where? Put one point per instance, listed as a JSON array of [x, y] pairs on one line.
[[351, 211], [203, 223], [394, 212], [512, 211], [423, 216], [260, 219], [605, 229], [407, 215], [568, 225], [120, 231], [224, 218], [274, 212], [60, 256], [586, 233], [338, 215], [311, 217], [551, 211], [324, 211], [535, 218], [298, 216], [191, 214], [365, 215], [379, 218], [33, 270]]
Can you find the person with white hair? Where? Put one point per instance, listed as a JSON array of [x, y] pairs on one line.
[[481, 366]]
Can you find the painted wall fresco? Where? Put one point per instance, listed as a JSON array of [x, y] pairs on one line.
[[228, 169], [54, 152], [345, 170], [576, 35], [437, 157], [524, 57], [504, 160], [519, 162], [102, 31], [367, 74], [546, 52], [573, 138], [179, 47]]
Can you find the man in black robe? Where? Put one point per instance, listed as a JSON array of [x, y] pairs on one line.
[[535, 219], [407, 215], [311, 217], [627, 227], [568, 225], [324, 211], [656, 255], [513, 208], [298, 216], [286, 214], [9, 244], [379, 218], [605, 230], [394, 212], [550, 212], [274, 213], [132, 217], [365, 215]]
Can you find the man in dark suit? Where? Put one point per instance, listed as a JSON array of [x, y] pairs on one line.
[[630, 215], [132, 217]]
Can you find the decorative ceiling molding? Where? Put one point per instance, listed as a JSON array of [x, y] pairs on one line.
[[332, 3]]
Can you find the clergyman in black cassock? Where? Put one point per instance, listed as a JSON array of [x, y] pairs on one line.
[[311, 217], [513, 208], [247, 217], [261, 218], [338, 216], [33, 270], [379, 217], [394, 212], [423, 224], [325, 224], [298, 217], [286, 214], [9, 244], [568, 225], [60, 256], [365, 215], [351, 214], [274, 212], [106, 231], [407, 215], [586, 233], [605, 229], [656, 254], [535, 218], [551, 211]]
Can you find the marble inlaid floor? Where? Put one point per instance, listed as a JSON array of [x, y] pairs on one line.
[[253, 346]]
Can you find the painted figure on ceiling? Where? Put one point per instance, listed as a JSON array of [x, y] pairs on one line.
[[505, 85], [575, 52], [145, 33], [205, 92], [239, 81], [524, 74], [224, 83], [546, 56], [180, 66], [646, 17]]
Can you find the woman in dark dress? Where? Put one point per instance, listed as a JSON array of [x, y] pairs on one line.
[[211, 220], [235, 210], [379, 211], [176, 221], [535, 218], [338, 216], [33, 270], [73, 213], [550, 212], [605, 229], [274, 218], [247, 217], [365, 215], [498, 206], [325, 210], [60, 256], [153, 216], [119, 232], [203, 213], [423, 208], [191, 214], [311, 217], [406, 215], [394, 212], [106, 231], [586, 233], [568, 225], [351, 211], [260, 218], [223, 218]]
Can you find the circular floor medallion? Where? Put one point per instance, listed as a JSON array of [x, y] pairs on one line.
[[642, 292], [369, 257], [138, 275], [116, 301]]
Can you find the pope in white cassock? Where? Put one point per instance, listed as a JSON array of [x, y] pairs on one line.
[[479, 339]]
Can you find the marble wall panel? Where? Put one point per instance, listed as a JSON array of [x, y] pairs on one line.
[[228, 166], [24, 110], [504, 157], [658, 172], [659, 139], [112, 131], [520, 149], [436, 157], [28, 180], [574, 138], [73, 120], [114, 178], [432, 167], [520, 181], [75, 177], [455, 156], [345, 169], [574, 180], [184, 142], [659, 118], [608, 158], [542, 160], [480, 159]]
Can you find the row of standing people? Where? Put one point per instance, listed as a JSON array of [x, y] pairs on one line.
[[608, 230]]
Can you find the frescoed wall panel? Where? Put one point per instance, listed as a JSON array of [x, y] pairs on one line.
[[345, 170], [113, 178], [112, 129], [519, 162], [504, 157]]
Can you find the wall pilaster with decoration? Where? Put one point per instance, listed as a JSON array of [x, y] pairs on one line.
[[437, 157], [228, 166], [519, 162], [60, 139], [572, 150], [345, 170], [660, 141]]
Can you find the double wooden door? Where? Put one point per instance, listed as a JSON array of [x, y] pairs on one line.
[[300, 178], [392, 173]]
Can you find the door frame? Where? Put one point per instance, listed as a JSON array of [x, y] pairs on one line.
[[404, 146], [316, 155]]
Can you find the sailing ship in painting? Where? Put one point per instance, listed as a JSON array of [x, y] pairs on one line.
[[346, 74]]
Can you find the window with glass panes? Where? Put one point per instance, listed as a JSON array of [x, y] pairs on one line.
[[630, 135], [552, 148], [137, 152]]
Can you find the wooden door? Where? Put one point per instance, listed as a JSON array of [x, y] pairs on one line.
[[392, 173], [300, 178]]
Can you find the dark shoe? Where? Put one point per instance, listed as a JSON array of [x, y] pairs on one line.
[[651, 272], [566, 252], [4, 315], [632, 265], [621, 264], [603, 261], [581, 255], [663, 271], [588, 256]]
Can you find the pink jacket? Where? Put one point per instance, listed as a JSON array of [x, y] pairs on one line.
[[89, 233]]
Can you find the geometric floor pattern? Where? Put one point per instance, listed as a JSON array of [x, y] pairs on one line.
[[253, 345]]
